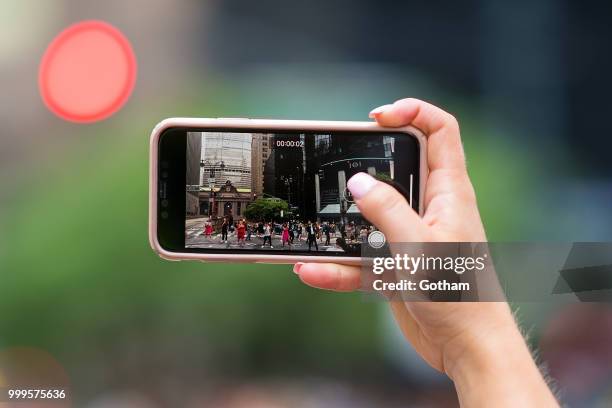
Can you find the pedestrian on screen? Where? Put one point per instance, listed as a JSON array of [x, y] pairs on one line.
[[241, 232], [224, 229], [285, 235], [249, 230], [300, 228], [267, 235], [326, 231], [311, 236], [208, 229]]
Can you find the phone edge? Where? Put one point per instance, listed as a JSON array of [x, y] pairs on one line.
[[311, 125]]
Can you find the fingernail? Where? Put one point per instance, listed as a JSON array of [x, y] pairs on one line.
[[296, 267], [377, 111], [360, 184]]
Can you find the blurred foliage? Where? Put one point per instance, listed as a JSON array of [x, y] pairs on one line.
[[508, 182]]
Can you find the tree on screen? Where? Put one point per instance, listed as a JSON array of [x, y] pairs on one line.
[[266, 209]]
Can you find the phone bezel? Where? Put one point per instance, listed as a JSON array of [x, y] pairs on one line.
[[263, 126]]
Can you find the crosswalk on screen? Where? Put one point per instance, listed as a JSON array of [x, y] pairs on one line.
[[287, 191]]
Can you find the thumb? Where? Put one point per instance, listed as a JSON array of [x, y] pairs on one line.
[[387, 209]]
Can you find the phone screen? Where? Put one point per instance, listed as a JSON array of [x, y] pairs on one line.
[[283, 192], [286, 192]]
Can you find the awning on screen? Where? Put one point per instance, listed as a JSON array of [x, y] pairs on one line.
[[331, 209], [334, 209]]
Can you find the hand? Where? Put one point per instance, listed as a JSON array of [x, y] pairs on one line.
[[460, 339]]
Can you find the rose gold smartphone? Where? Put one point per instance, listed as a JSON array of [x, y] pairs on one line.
[[274, 191]]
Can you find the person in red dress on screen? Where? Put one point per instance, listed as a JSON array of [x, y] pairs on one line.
[[285, 236], [208, 229], [241, 232]]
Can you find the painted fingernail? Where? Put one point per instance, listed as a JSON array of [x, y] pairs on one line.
[[377, 111], [360, 184], [296, 267]]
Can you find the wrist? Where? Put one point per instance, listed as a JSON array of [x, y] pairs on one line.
[[494, 365], [482, 348]]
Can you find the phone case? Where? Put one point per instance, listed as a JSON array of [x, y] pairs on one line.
[[272, 125]]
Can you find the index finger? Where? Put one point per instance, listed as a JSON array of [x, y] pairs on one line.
[[330, 276], [445, 150]]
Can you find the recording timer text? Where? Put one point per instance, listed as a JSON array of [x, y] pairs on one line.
[[289, 143]]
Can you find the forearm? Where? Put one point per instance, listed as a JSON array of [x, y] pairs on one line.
[[500, 371]]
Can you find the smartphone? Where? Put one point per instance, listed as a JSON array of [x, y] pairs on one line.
[[272, 191]]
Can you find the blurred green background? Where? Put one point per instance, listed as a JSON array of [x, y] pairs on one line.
[[79, 281]]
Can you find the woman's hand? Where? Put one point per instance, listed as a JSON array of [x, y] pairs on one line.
[[464, 340]]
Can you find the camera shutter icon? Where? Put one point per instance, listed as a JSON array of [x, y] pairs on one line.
[[376, 239]]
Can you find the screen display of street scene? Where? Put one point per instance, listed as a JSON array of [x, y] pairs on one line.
[[287, 191]]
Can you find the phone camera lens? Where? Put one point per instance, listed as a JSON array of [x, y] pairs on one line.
[[164, 215], [164, 203]]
